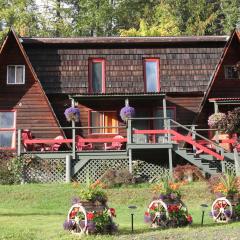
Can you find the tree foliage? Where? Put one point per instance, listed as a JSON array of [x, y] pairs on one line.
[[119, 17]]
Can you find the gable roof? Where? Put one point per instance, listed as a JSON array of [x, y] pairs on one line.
[[234, 34], [12, 33]]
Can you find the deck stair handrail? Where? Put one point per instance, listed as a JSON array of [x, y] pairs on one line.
[[194, 132]]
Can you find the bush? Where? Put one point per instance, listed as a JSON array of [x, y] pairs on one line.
[[11, 168], [113, 177], [187, 172]]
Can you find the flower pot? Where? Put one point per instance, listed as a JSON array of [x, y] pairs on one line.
[[93, 206]]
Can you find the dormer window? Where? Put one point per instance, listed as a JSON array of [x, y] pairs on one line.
[[151, 75], [97, 76], [15, 74], [231, 72]]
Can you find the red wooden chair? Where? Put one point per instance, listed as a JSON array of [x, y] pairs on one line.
[[114, 145], [81, 145], [55, 146], [27, 135]]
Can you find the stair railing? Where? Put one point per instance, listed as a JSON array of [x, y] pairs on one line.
[[194, 133]]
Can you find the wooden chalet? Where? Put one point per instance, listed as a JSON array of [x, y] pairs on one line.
[[173, 83]]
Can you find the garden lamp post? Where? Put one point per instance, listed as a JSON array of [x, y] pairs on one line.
[[132, 209], [203, 208]]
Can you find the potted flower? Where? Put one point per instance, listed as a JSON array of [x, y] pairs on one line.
[[216, 120], [167, 209], [127, 112], [72, 114], [89, 212]]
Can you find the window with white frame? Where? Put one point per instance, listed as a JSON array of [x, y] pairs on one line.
[[15, 74], [7, 129], [103, 119]]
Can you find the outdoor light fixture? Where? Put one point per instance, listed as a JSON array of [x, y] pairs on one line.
[[132, 209], [203, 208]]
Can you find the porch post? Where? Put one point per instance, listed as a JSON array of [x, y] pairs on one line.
[[236, 161], [68, 169], [170, 162], [130, 159], [19, 142], [216, 110], [129, 131], [165, 122], [165, 112], [126, 102], [73, 133]]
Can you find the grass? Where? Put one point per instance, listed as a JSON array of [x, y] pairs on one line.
[[37, 211]]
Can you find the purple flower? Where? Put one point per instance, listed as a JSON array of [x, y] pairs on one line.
[[147, 218], [127, 112], [68, 225], [72, 114], [227, 212], [75, 200], [162, 196], [213, 214], [91, 226], [173, 196]]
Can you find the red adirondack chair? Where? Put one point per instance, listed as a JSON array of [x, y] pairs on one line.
[[27, 135], [81, 145], [114, 145]]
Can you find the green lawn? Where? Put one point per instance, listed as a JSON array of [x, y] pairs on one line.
[[37, 211]]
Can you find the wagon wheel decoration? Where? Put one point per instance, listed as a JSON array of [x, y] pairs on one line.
[[159, 212], [222, 210], [78, 215]]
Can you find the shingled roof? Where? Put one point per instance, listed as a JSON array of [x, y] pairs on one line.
[[186, 63]]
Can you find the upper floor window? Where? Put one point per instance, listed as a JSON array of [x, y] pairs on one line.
[[231, 72], [151, 75], [97, 76], [15, 74], [103, 119], [7, 130]]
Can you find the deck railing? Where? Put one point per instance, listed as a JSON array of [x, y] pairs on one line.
[[146, 130]]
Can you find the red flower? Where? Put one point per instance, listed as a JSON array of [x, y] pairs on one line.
[[74, 213], [147, 214], [189, 218], [112, 212], [90, 216], [173, 208]]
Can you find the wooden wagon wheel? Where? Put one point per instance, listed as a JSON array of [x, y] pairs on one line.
[[222, 210], [80, 223], [161, 208]]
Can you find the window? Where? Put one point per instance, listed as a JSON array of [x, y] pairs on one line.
[[97, 76], [151, 75], [103, 119], [230, 72], [15, 74], [159, 123], [7, 130]]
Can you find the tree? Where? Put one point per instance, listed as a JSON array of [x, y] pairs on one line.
[[21, 14], [162, 23], [230, 10]]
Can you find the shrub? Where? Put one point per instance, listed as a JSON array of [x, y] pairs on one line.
[[113, 177], [10, 168], [187, 172]]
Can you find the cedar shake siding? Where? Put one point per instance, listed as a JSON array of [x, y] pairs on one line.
[[186, 65], [28, 100], [62, 70]]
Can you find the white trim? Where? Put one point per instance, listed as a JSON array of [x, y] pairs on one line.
[[15, 83]]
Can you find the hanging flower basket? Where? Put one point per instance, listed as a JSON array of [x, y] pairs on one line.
[[216, 120], [72, 114], [127, 112]]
